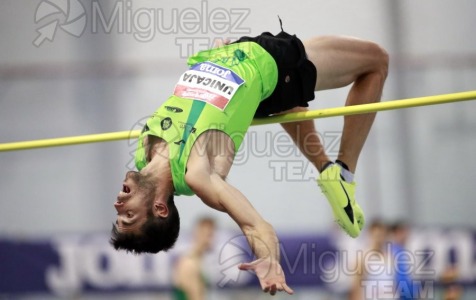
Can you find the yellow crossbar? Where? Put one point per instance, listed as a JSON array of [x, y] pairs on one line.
[[291, 117]]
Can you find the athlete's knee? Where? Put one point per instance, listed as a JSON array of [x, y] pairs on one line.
[[380, 59]]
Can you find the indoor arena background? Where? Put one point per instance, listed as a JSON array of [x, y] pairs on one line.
[[90, 66]]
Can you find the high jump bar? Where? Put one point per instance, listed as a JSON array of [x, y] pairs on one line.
[[291, 117]]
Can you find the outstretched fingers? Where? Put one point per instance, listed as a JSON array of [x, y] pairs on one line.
[[271, 289], [287, 289], [277, 287], [270, 275]]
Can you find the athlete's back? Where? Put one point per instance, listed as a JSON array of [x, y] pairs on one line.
[[221, 91]]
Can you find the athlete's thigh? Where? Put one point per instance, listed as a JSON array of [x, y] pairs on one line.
[[340, 60]]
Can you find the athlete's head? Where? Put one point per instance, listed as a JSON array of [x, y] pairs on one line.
[[144, 224], [204, 233], [400, 232], [378, 233]]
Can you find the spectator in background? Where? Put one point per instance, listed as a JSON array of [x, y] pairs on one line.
[[452, 290], [374, 272], [403, 278], [188, 280]]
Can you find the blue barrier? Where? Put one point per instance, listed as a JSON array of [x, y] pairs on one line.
[[87, 263]]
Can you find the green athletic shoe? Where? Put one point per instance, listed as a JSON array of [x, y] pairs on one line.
[[341, 196]]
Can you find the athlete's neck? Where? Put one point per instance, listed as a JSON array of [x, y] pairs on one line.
[[198, 251], [377, 247], [159, 170]]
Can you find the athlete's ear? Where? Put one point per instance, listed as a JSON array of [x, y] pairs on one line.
[[160, 209]]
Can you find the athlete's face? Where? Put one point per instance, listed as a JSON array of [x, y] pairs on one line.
[[133, 202], [378, 234], [204, 234]]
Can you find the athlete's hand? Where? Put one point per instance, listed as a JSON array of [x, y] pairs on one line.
[[270, 275]]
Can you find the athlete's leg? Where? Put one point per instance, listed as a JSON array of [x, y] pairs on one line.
[[341, 61], [306, 138]]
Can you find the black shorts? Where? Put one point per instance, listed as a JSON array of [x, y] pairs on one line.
[[296, 74]]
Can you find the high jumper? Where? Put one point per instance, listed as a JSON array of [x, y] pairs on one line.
[[188, 145]]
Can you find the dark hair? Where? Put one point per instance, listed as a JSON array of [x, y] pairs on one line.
[[205, 220], [157, 233], [398, 225], [377, 223]]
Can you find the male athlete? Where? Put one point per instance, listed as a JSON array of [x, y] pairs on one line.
[[188, 279], [187, 146]]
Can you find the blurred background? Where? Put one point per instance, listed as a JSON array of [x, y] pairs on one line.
[[73, 67]]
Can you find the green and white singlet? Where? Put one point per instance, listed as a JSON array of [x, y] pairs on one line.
[[221, 91]]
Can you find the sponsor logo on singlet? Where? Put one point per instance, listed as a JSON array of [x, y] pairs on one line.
[[174, 109], [210, 83], [187, 126], [166, 123]]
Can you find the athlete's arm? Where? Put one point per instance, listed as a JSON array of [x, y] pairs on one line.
[[355, 292], [188, 278], [218, 194]]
